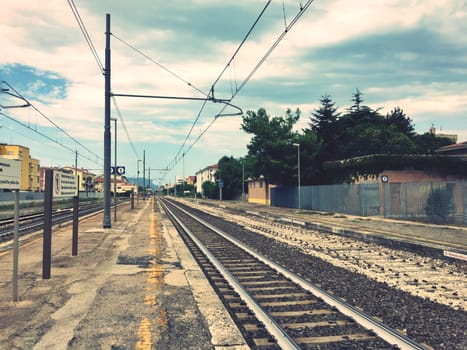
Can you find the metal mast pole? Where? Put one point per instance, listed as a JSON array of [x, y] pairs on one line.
[[107, 165], [115, 170], [243, 181], [144, 175], [299, 189]]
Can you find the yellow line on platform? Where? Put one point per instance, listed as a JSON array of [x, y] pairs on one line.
[[154, 283], [144, 335]]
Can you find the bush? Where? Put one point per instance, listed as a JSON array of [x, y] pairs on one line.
[[439, 205]]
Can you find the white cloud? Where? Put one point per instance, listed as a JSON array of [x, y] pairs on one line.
[[45, 35]]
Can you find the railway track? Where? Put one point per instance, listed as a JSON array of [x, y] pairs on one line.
[[274, 307], [419, 275], [35, 222]]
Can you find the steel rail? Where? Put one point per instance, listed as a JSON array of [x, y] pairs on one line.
[[385, 332], [282, 338], [33, 222]]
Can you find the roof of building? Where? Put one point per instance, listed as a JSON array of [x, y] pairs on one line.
[[454, 147], [214, 166]]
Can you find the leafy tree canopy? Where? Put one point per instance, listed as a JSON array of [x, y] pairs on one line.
[[332, 135], [271, 147], [209, 190], [230, 172]]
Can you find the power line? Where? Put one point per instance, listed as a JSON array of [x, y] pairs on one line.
[[211, 94], [189, 84], [159, 64], [50, 120], [82, 27], [287, 28], [213, 85], [46, 136], [303, 8], [124, 126], [243, 42]]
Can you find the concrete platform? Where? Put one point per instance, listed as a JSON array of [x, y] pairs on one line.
[[133, 286]]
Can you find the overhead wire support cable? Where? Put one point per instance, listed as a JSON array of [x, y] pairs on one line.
[[86, 35], [46, 136], [243, 42], [159, 64], [29, 104], [211, 93], [191, 129], [207, 98], [114, 100], [283, 12], [303, 8]]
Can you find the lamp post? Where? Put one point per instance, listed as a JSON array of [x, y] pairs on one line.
[[298, 161], [115, 170], [137, 180], [243, 181]]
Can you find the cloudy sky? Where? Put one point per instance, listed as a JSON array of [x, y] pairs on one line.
[[407, 53]]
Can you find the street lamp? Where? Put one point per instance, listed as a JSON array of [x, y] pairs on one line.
[[137, 181], [115, 171], [243, 181], [298, 161]]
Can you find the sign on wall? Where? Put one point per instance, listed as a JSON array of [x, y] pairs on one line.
[[10, 174], [64, 184]]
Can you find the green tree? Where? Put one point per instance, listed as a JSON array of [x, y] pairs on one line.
[[230, 172], [310, 163], [357, 99], [398, 119], [270, 149], [185, 190], [429, 143], [440, 205], [323, 123], [364, 131], [209, 190]]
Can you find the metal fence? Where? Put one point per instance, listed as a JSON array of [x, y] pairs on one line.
[[438, 202], [6, 197]]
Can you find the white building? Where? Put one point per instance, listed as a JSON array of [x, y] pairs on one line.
[[203, 175], [179, 180]]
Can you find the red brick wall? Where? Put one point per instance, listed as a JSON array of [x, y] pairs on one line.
[[403, 176]]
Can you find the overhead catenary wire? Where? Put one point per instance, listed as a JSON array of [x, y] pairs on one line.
[[47, 137], [303, 8], [87, 38], [229, 63], [245, 38], [48, 119], [159, 64], [122, 122], [211, 93], [234, 92]]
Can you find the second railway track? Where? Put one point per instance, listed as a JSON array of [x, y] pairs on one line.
[[274, 307]]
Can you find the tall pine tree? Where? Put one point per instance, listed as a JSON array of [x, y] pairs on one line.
[[323, 122]]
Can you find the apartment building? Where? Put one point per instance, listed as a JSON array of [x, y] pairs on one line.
[[29, 166], [206, 174]]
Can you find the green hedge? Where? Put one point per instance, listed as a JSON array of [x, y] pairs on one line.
[[349, 169]]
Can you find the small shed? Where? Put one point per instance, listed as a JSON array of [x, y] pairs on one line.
[[258, 191]]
